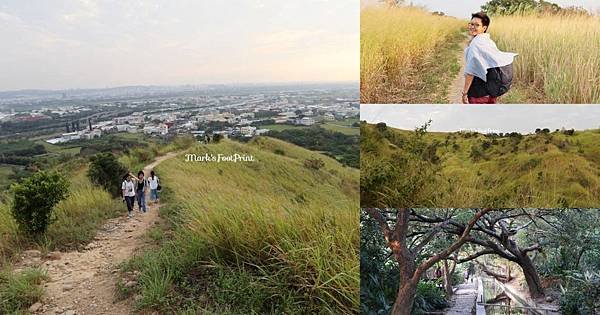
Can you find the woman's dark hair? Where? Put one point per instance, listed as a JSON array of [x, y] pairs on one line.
[[152, 174], [485, 19], [141, 172], [126, 176]]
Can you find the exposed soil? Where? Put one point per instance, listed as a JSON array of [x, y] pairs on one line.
[[455, 89], [84, 282]]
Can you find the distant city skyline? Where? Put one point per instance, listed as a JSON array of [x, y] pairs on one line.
[[484, 118], [83, 44]]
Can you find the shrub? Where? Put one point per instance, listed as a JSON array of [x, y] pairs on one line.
[[573, 303], [106, 171], [314, 164], [428, 298], [35, 198]]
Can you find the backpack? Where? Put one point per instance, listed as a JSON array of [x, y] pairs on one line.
[[499, 80]]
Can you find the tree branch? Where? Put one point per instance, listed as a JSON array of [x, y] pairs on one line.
[[456, 245]]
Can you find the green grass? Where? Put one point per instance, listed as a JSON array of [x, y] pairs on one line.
[[20, 290], [547, 171], [280, 127], [344, 126], [265, 237]]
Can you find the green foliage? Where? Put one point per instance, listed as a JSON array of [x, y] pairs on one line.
[[106, 171], [396, 177], [21, 148], [337, 145], [35, 198], [582, 295], [403, 168], [378, 273], [19, 291], [428, 298], [509, 7]]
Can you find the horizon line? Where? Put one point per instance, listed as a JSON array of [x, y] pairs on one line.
[[184, 85]]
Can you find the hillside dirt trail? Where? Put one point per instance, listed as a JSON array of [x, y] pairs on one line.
[[455, 89], [84, 282]]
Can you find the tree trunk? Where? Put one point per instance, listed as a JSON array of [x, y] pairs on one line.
[[405, 299], [531, 276], [447, 279]]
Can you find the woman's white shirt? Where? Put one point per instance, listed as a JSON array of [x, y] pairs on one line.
[[129, 188], [153, 182], [483, 54]]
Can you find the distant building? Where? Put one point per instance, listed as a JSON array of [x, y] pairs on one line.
[[133, 119], [306, 121], [247, 131]]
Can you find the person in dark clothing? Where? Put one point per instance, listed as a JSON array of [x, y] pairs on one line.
[[140, 191]]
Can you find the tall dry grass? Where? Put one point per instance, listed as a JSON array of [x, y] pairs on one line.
[[559, 56], [287, 232], [394, 43]]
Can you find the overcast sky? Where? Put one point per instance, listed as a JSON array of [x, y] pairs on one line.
[[464, 8], [55, 44], [485, 118]]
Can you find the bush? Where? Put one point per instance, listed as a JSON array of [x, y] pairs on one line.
[[573, 303], [35, 198], [428, 298], [314, 164], [106, 171]]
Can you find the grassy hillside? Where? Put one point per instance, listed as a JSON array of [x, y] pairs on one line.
[[475, 170], [407, 55], [279, 235]]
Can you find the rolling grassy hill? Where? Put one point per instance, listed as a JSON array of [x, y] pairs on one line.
[[278, 235], [467, 169]]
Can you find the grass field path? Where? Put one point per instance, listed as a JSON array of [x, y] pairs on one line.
[[455, 89], [83, 282]]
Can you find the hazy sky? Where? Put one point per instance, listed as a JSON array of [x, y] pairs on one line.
[[54, 44], [464, 8], [485, 118]]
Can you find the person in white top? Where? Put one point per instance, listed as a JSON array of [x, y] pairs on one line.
[[128, 192], [481, 54], [154, 185]]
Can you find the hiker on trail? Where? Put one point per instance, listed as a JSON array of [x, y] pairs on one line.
[[488, 71], [466, 275], [128, 192], [154, 184], [140, 191], [438, 273]]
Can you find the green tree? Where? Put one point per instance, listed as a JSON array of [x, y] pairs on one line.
[[35, 198], [509, 7], [106, 171]]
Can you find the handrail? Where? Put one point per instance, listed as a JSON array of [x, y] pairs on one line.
[[523, 307]]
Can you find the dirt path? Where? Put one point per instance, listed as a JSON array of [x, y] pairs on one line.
[[83, 282], [455, 89]]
